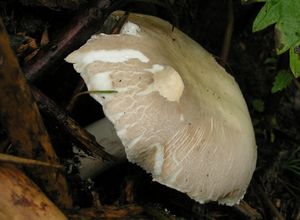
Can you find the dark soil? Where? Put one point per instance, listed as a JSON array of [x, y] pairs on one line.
[[253, 63]]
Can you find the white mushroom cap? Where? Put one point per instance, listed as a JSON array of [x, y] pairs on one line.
[[178, 113]]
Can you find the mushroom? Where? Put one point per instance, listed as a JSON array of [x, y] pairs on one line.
[[179, 114]]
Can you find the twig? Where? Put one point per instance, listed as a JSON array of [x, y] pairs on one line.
[[24, 124], [228, 33], [119, 24], [247, 210], [265, 199], [80, 86], [74, 35], [96, 92], [28, 162], [79, 93], [290, 188], [77, 33], [87, 141]]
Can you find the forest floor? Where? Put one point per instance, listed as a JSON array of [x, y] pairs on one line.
[[274, 192]]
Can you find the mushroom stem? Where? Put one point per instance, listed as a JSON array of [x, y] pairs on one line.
[[106, 136]]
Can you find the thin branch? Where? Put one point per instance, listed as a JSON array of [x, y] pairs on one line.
[[73, 36], [79, 30], [249, 212], [87, 141], [27, 162], [79, 87], [228, 33], [265, 199]]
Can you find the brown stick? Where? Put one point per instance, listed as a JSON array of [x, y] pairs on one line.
[[265, 199], [228, 33], [79, 88], [24, 125], [27, 162], [85, 139], [77, 33], [249, 212], [74, 35]]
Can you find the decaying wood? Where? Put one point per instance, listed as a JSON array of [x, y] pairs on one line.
[[22, 199], [21, 117], [86, 141], [107, 212], [74, 35]]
